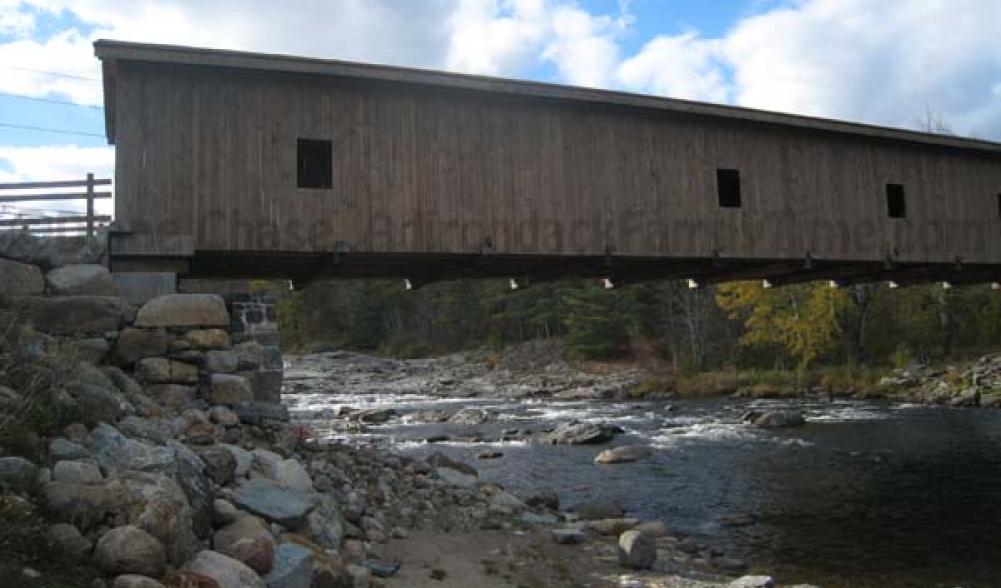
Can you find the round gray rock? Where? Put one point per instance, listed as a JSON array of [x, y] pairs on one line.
[[68, 542], [637, 550], [76, 472], [184, 310], [230, 389], [20, 279], [623, 454], [226, 571], [17, 474], [130, 550], [82, 279], [293, 567]]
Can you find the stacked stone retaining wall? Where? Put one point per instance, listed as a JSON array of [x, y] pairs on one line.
[[188, 350]]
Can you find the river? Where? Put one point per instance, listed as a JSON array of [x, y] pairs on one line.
[[866, 494]]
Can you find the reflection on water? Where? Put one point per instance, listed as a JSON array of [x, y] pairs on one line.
[[864, 495]]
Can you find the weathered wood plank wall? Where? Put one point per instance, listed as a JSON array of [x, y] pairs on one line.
[[210, 154]]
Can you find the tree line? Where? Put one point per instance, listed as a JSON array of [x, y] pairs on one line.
[[742, 324]]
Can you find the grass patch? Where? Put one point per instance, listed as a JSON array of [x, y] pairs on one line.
[[24, 544]]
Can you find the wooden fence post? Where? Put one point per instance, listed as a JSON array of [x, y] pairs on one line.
[[90, 205]]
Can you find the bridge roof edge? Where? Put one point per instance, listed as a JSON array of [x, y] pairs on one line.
[[110, 51]]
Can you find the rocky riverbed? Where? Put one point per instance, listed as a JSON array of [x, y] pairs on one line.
[[725, 486]]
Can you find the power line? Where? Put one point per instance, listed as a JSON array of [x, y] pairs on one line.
[[51, 100], [55, 73], [50, 130]]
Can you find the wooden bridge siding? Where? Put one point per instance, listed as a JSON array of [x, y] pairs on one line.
[[421, 170]]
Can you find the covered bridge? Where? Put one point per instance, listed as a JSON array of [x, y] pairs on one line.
[[232, 164]]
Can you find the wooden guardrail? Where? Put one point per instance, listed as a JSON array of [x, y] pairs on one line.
[[66, 223]]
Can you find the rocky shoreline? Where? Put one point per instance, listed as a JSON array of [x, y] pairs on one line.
[[143, 446]]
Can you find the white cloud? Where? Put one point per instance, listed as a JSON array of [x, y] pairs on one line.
[[682, 66], [501, 37], [386, 31], [14, 20], [67, 53], [493, 38], [881, 62], [584, 46], [56, 162]]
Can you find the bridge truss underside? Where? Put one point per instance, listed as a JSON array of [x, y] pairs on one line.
[[424, 268]]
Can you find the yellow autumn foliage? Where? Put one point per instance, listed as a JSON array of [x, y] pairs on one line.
[[802, 319]]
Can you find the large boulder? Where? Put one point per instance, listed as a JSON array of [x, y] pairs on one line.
[[623, 454], [778, 419], [288, 473], [244, 460], [158, 505], [637, 550], [20, 279], [226, 571], [134, 344], [189, 471], [50, 252], [61, 448], [293, 567], [69, 315], [250, 355], [130, 550], [223, 416], [97, 397], [184, 310], [81, 279], [68, 543], [247, 539], [230, 390], [219, 463], [84, 505], [17, 474], [276, 504], [76, 472], [580, 434], [116, 452], [155, 430], [206, 339], [131, 389], [325, 524]]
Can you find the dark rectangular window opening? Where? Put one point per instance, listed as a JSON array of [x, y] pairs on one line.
[[728, 187], [896, 205], [314, 164], [999, 204]]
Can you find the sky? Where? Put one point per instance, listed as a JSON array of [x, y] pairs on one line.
[[889, 62]]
